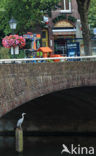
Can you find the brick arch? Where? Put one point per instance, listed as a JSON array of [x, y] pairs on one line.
[[68, 19], [20, 83]]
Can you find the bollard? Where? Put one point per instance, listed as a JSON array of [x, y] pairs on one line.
[[19, 139]]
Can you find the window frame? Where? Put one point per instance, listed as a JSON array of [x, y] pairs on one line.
[[66, 10]]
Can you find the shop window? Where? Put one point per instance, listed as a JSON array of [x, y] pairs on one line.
[[66, 6]]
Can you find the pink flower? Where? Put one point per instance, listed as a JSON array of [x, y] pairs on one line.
[[13, 41]]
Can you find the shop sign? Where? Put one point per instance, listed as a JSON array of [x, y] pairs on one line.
[[31, 36], [73, 48], [63, 24]]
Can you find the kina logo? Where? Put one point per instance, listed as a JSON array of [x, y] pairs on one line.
[[78, 150], [65, 149]]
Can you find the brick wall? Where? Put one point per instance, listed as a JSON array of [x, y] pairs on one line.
[[56, 13], [20, 83]]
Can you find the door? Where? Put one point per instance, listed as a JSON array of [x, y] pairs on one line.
[[45, 38], [60, 46]]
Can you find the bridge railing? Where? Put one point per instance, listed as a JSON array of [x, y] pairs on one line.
[[51, 59]]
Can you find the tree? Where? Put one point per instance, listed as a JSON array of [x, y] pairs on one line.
[[28, 13], [83, 8], [92, 14]]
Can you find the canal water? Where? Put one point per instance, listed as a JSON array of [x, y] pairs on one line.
[[47, 146], [72, 110]]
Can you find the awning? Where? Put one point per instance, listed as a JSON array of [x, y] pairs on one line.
[[64, 31]]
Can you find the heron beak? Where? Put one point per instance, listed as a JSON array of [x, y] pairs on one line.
[[24, 113]]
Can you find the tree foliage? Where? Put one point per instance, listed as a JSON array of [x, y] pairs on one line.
[[92, 14], [28, 13]]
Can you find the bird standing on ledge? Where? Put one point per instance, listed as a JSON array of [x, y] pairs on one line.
[[20, 121]]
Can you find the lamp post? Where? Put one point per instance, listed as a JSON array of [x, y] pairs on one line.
[[13, 24]]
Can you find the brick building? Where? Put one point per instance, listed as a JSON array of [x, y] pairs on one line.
[[63, 24]]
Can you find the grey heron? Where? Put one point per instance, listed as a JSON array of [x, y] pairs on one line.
[[20, 121]]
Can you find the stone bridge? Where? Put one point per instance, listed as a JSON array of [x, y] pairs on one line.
[[20, 83]]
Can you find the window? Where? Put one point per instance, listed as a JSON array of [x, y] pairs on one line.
[[66, 6], [45, 38], [44, 34]]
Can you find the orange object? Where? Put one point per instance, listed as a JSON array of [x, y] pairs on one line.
[[56, 55], [38, 35], [34, 45], [44, 55], [45, 50]]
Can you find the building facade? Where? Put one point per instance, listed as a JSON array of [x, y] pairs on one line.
[[63, 26]]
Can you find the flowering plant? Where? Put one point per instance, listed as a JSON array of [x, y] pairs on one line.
[[13, 41]]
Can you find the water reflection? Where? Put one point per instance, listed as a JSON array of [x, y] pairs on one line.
[[43, 146]]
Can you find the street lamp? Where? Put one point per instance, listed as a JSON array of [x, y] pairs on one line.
[[12, 24]]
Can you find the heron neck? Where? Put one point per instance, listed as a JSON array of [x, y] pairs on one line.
[[23, 116]]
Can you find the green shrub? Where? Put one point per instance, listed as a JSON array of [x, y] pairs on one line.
[[20, 55], [4, 53]]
